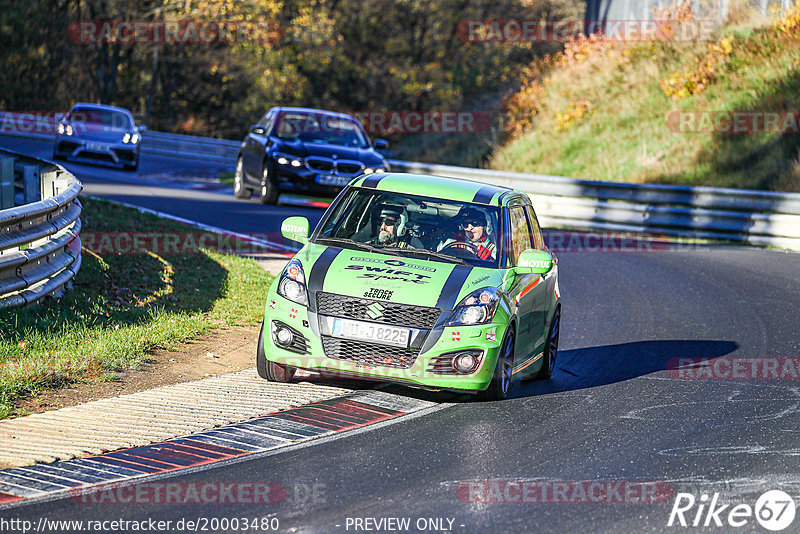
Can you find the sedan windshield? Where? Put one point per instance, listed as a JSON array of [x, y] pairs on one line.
[[415, 226], [319, 128], [106, 118]]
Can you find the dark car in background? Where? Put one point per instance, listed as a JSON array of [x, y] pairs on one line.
[[306, 151], [96, 133]]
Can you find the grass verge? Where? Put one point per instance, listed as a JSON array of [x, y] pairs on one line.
[[122, 306]]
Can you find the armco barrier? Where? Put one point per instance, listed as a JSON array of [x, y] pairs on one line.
[[755, 217], [39, 229]]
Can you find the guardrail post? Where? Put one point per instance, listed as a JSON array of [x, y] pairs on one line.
[[6, 182], [30, 183], [52, 183]]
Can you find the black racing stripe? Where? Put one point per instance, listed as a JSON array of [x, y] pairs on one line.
[[320, 269], [485, 194], [452, 287], [373, 180]]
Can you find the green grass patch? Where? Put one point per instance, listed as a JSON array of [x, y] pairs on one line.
[[123, 306]]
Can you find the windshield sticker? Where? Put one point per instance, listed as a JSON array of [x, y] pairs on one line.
[[376, 293], [384, 273], [395, 263]]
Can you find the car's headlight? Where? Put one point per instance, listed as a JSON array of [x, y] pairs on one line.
[[135, 138], [65, 129], [289, 160], [478, 307], [126, 138], [130, 138], [368, 170], [292, 284]]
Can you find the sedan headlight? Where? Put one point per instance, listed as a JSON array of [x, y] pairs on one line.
[[130, 138], [288, 160], [478, 307], [292, 284], [370, 170], [65, 129]]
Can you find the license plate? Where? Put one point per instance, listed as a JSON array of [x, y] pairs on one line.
[[96, 147], [330, 179], [385, 335]]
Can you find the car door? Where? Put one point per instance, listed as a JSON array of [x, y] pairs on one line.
[[548, 302], [254, 148], [529, 289]]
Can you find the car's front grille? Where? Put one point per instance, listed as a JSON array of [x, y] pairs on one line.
[[347, 168], [376, 311], [369, 354]]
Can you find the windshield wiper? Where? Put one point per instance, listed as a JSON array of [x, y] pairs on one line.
[[362, 246], [428, 253]]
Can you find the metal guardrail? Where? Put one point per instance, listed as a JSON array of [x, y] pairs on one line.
[[39, 229], [754, 217]]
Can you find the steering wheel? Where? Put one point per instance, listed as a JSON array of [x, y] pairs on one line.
[[461, 245]]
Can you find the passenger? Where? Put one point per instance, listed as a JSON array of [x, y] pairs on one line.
[[474, 234]]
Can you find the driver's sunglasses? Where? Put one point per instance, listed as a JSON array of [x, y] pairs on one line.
[[470, 222], [387, 221]]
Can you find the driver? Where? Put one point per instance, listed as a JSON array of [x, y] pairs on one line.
[[474, 233], [391, 231]]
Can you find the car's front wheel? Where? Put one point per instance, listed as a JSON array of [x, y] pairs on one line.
[[239, 189], [501, 379], [551, 347], [269, 189], [274, 372]]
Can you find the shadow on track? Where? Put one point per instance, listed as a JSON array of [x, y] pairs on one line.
[[597, 366]]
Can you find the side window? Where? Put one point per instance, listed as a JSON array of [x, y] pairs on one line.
[[520, 233], [267, 120], [538, 239]]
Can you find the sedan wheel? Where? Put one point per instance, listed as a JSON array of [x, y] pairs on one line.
[[551, 348], [239, 189]]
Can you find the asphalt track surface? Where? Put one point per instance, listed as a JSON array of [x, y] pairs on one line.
[[612, 413]]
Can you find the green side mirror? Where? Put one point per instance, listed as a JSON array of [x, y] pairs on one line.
[[296, 229], [534, 261]]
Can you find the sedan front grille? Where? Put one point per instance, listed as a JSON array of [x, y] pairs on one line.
[[369, 354], [346, 168], [384, 313]]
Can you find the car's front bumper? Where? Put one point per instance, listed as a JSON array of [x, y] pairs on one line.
[[485, 340], [72, 148], [304, 180]]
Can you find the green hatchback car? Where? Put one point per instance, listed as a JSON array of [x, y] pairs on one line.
[[431, 282]]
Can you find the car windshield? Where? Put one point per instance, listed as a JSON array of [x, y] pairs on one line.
[[415, 226], [106, 118], [320, 128]]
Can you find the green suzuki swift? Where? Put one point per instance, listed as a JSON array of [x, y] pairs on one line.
[[431, 282]]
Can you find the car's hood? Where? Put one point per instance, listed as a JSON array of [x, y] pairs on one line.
[[93, 132], [397, 279], [368, 156]]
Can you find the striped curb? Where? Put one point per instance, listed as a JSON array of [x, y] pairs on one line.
[[148, 416], [277, 430]]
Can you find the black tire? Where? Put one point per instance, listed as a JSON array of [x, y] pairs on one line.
[[269, 189], [240, 190], [551, 348], [274, 372], [501, 380]]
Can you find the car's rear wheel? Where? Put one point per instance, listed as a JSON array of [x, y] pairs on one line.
[[274, 372], [239, 189], [551, 347], [269, 189], [501, 380]]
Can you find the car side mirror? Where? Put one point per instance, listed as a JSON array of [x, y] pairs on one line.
[[533, 261], [142, 128], [258, 130], [380, 144], [296, 229]]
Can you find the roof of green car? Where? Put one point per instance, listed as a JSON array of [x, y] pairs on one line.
[[436, 186]]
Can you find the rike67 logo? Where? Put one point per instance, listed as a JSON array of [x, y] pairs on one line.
[[774, 510]]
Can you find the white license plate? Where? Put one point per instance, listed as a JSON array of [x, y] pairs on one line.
[[96, 147], [386, 335], [328, 179]]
